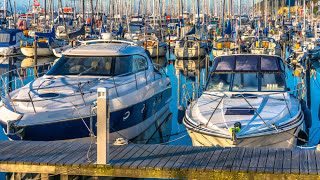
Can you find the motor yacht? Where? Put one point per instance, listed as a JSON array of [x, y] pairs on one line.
[[245, 103], [59, 105]]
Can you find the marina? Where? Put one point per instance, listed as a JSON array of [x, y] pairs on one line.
[[161, 89]]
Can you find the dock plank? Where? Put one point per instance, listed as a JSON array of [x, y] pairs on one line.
[[271, 158], [222, 158], [317, 154], [17, 153], [57, 152], [214, 159], [159, 161], [151, 156], [247, 160], [198, 159], [160, 156], [173, 159], [119, 156], [287, 156], [182, 157], [206, 158], [127, 156], [278, 165], [167, 157], [303, 161], [238, 159], [262, 159], [295, 162], [64, 154], [230, 159], [190, 158], [30, 150], [312, 163], [144, 156]]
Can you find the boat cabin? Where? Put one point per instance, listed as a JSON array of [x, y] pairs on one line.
[[9, 37], [247, 73]]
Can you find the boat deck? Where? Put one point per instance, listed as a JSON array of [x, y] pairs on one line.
[[157, 161]]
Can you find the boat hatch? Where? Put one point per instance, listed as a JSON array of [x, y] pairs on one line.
[[245, 95], [239, 111], [46, 95]]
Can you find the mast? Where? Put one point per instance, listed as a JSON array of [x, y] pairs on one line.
[[304, 18], [45, 10]]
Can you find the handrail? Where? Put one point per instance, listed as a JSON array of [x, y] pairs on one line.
[[107, 41]]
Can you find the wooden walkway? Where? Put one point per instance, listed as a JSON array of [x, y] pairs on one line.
[[158, 161]]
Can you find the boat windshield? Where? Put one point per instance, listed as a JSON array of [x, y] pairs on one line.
[[98, 66], [246, 82]]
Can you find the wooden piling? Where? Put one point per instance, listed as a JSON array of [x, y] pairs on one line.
[[35, 44], [308, 82], [103, 126]]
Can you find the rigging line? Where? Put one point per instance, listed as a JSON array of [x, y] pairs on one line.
[[301, 147], [76, 108]]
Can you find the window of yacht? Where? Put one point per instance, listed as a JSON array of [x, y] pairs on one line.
[[245, 82], [140, 63], [4, 37], [97, 66], [219, 82], [272, 82]]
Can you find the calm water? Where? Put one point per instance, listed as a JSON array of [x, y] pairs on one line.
[[172, 126]]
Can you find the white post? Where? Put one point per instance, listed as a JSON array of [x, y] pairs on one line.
[[103, 116]]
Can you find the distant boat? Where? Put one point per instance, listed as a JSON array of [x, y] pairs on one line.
[[10, 41]]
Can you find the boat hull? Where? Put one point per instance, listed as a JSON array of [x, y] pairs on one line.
[[283, 139], [153, 51], [142, 115], [29, 51], [181, 52]]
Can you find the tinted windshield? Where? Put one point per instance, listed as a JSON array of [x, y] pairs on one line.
[[98, 66], [250, 82]]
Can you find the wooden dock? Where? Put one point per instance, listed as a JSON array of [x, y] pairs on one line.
[[158, 161]]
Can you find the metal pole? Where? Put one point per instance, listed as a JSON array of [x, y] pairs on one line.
[[103, 126]]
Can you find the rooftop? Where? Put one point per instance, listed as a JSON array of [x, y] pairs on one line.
[[104, 49]]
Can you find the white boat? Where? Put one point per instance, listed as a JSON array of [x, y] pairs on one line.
[[151, 43], [10, 41], [266, 45], [190, 47], [224, 46], [57, 106], [245, 104]]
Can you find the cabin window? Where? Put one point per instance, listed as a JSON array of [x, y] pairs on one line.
[[4, 37], [272, 82], [245, 82], [140, 63], [219, 82]]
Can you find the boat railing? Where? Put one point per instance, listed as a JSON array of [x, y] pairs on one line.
[[108, 41], [17, 78], [192, 95], [80, 85]]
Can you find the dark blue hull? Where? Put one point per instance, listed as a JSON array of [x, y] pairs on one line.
[[76, 128]]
